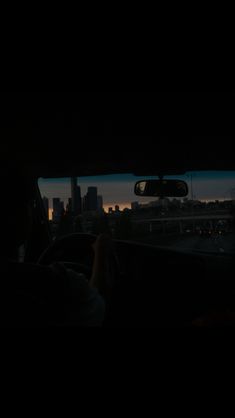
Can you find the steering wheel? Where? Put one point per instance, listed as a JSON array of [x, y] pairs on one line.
[[75, 252]]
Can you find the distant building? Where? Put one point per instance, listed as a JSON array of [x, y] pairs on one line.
[[92, 199], [233, 196], [110, 210], [69, 205], [57, 209], [85, 204], [100, 203], [91, 202], [165, 202], [176, 203], [76, 200], [156, 203], [135, 205], [117, 208], [46, 206], [78, 206]]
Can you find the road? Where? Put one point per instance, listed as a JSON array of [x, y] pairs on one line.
[[220, 244], [214, 244]]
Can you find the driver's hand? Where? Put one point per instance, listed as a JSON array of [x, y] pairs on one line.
[[103, 245]]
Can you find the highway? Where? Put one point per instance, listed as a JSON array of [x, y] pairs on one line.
[[215, 244], [205, 217]]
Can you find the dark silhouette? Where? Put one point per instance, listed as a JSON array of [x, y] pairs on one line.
[[123, 228], [66, 225], [100, 225], [77, 225], [34, 295]]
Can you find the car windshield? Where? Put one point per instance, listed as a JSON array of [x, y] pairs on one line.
[[204, 221]]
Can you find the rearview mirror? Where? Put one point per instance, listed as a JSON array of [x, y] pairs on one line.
[[161, 188]]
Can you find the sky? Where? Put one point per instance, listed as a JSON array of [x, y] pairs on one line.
[[119, 189]]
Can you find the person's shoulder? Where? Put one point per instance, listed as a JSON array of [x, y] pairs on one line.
[[87, 306], [72, 280]]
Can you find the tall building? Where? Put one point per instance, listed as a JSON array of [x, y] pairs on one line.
[[69, 205], [135, 205], [57, 209], [92, 198], [85, 204], [76, 207], [62, 207], [46, 206], [100, 203], [232, 191]]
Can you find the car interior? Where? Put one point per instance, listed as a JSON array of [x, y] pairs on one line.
[[157, 138]]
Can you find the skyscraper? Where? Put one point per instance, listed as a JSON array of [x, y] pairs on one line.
[[57, 209], [92, 198], [69, 205], [62, 207], [46, 206], [135, 205], [100, 203], [76, 197], [85, 203]]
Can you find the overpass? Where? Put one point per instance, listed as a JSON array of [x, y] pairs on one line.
[[183, 219], [220, 217]]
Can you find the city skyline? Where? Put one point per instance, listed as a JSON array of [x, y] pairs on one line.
[[76, 204], [119, 189]]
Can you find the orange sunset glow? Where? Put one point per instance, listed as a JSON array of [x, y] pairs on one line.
[[122, 206]]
